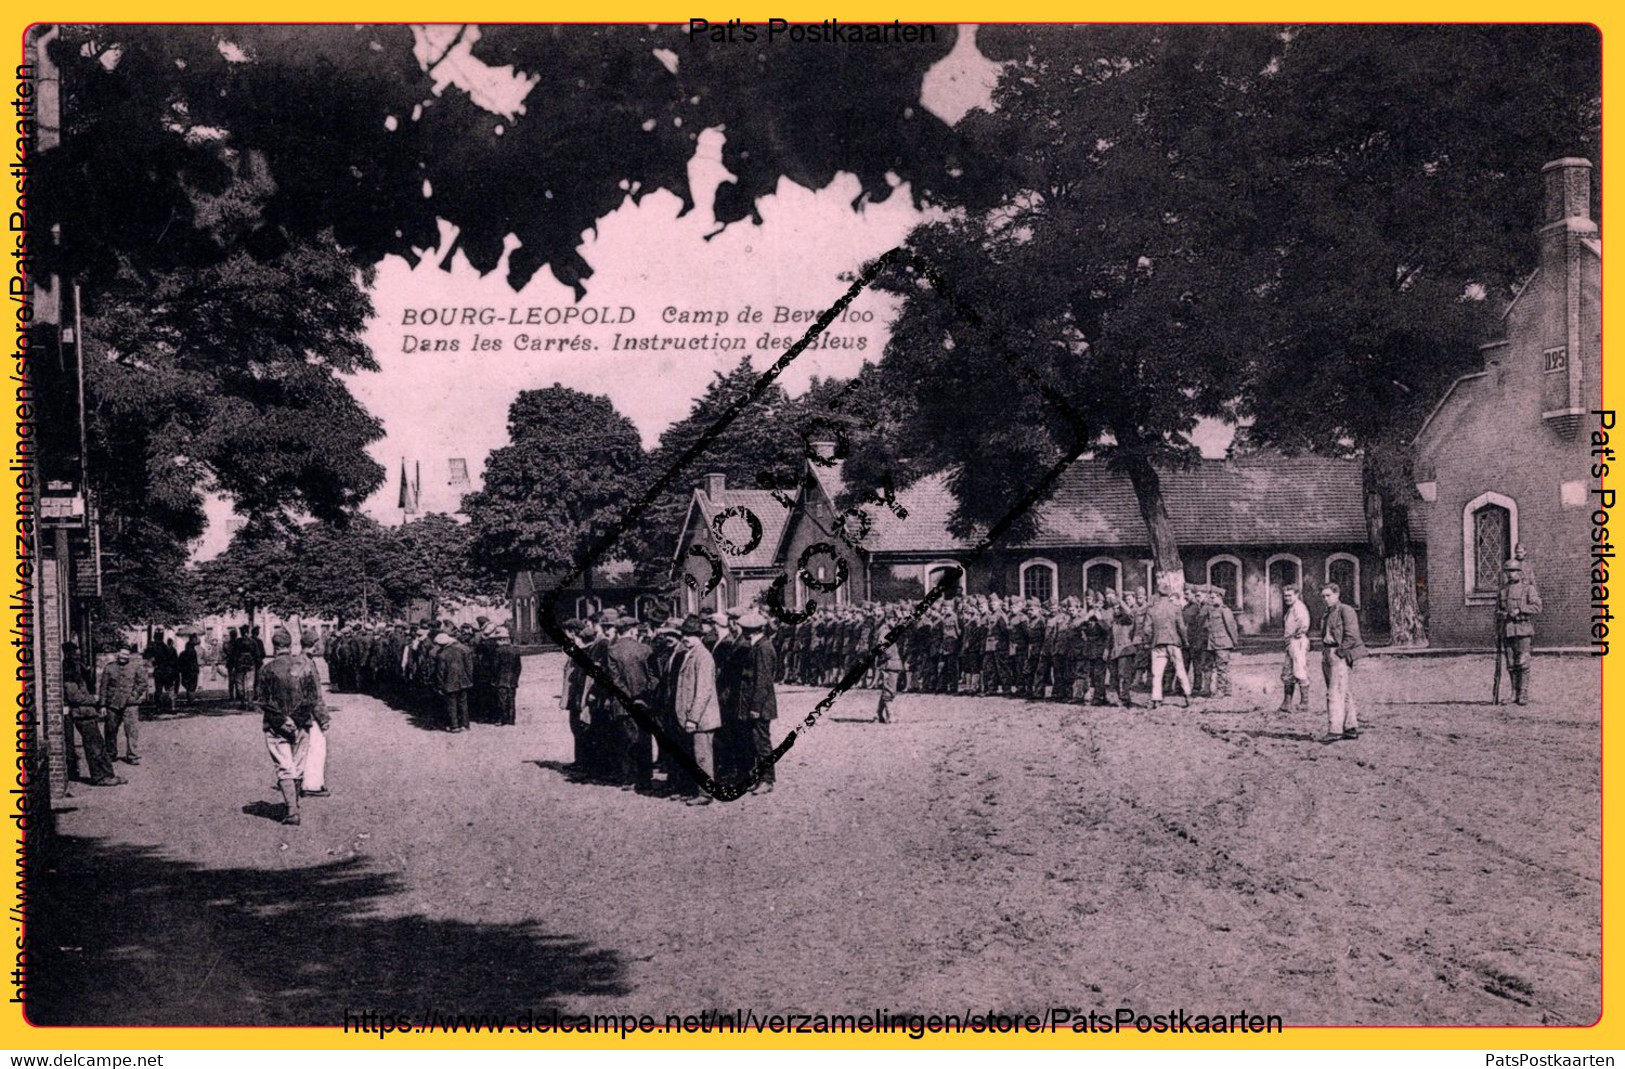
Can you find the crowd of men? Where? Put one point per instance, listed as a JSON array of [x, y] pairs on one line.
[[706, 681], [462, 673], [1097, 649]]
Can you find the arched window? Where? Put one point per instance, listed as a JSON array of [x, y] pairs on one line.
[[1344, 570], [1224, 572], [586, 605], [1280, 571], [1102, 574], [1489, 530], [1038, 578]]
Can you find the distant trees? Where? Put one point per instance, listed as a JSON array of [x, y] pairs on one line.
[[353, 570], [572, 465]]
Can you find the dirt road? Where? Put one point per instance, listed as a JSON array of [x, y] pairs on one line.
[[977, 854]]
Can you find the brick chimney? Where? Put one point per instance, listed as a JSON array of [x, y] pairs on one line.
[[1568, 193], [1565, 224], [715, 483], [823, 448]]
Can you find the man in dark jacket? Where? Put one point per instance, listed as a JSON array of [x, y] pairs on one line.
[[453, 678], [729, 643], [1124, 648], [85, 716], [757, 701], [166, 671], [1196, 658], [505, 667], [1341, 649], [1165, 634], [288, 694], [627, 662], [189, 667]]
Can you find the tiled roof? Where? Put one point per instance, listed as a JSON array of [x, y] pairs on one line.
[[773, 516], [1258, 500]]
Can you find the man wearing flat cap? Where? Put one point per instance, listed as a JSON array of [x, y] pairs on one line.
[[697, 710], [123, 685], [573, 691], [288, 695], [453, 677], [626, 660], [505, 669], [1515, 610], [757, 701]]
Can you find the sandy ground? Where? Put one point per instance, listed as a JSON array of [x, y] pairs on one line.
[[977, 854]]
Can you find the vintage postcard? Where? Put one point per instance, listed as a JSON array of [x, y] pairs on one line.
[[833, 531]]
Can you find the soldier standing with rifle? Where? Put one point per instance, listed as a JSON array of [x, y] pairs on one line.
[[1515, 610]]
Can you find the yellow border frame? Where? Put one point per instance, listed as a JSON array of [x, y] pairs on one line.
[[1607, 1033]]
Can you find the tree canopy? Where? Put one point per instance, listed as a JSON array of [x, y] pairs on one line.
[[354, 569], [572, 465], [1299, 230], [356, 136], [224, 193], [1078, 307]]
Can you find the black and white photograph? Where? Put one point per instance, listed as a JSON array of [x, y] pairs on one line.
[[848, 528]]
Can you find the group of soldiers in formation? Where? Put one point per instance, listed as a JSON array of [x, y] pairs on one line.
[[463, 672], [707, 681], [1096, 649]]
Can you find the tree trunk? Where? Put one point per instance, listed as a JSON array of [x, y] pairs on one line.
[[1159, 528], [1388, 532], [1404, 614]]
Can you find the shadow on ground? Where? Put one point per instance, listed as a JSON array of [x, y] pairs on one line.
[[122, 936]]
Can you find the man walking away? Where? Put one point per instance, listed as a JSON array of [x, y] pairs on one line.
[[189, 668], [453, 678], [240, 662], [289, 697], [1165, 626]]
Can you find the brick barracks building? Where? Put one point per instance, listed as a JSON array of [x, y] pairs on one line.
[[1505, 458], [1250, 526]]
